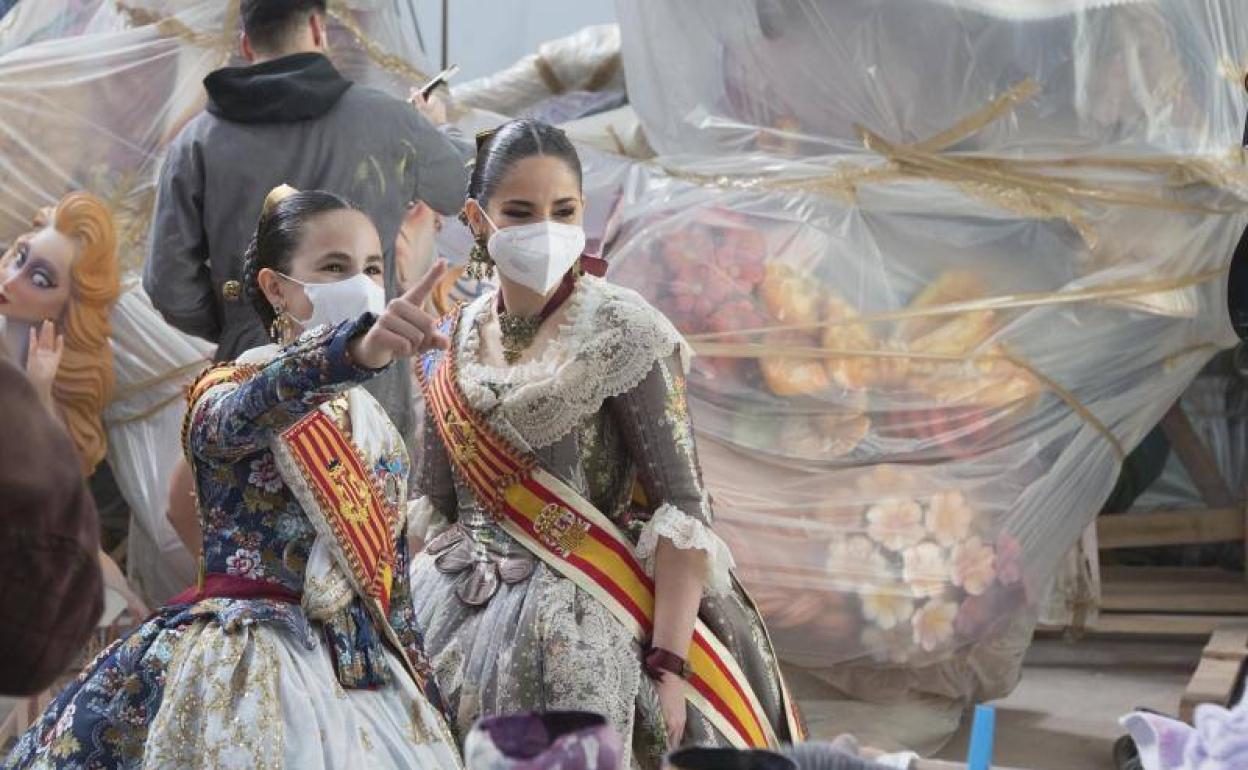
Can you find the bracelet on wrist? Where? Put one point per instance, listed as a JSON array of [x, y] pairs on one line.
[[656, 661]]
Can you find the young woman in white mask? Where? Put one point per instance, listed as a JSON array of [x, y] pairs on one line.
[[545, 585], [298, 647]]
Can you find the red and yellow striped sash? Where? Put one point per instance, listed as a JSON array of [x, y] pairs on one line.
[[567, 532], [361, 518]]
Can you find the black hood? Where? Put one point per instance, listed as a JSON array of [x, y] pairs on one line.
[[297, 87]]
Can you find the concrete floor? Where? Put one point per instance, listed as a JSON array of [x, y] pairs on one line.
[[1064, 714]]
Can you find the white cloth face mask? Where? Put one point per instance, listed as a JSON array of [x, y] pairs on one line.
[[333, 303], [536, 255]]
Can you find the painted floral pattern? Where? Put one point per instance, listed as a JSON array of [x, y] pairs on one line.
[[887, 606], [253, 528], [933, 624], [949, 517], [245, 563], [974, 566], [926, 569], [896, 524]]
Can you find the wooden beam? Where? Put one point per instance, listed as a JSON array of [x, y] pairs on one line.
[[1174, 527], [1190, 591], [1221, 666], [1197, 459], [1156, 624]]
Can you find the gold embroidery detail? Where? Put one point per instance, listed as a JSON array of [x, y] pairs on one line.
[[463, 437], [353, 492], [560, 529]]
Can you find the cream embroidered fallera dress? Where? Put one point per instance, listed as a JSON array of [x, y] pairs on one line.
[[248, 683], [602, 405]]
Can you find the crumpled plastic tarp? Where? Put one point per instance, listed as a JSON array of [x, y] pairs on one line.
[[945, 264], [92, 92]]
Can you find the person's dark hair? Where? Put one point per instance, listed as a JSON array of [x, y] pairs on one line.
[[512, 142], [269, 22], [277, 236]]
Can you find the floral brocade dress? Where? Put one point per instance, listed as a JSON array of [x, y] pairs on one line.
[[286, 667], [602, 406]]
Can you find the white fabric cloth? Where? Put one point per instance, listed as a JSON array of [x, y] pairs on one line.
[[257, 698], [154, 364], [687, 533], [609, 341]]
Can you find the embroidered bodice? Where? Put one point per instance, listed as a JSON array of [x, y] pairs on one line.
[[254, 526], [602, 406]]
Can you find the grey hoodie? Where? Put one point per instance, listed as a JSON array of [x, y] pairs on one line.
[[295, 121]]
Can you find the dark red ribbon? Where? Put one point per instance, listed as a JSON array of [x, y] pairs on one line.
[[220, 586]]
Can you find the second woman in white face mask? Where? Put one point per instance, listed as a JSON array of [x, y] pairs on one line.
[[580, 384], [527, 224]]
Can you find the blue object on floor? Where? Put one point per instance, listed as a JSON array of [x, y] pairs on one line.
[[982, 729]]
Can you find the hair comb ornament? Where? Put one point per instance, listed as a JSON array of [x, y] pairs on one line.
[[276, 196], [485, 136]]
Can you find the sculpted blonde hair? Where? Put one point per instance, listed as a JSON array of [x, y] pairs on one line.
[[84, 383]]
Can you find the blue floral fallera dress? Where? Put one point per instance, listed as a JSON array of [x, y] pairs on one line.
[[300, 675]]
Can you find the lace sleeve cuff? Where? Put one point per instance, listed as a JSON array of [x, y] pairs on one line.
[[687, 533], [423, 519]]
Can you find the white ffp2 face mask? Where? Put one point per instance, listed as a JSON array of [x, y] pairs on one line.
[[339, 301], [536, 255]]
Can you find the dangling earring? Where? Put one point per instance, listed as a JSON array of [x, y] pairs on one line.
[[279, 330], [480, 265]]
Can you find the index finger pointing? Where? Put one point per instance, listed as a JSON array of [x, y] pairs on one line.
[[420, 292]]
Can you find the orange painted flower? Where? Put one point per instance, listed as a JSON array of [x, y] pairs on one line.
[[926, 569], [887, 606], [974, 566], [933, 624], [856, 563], [949, 518], [895, 524]]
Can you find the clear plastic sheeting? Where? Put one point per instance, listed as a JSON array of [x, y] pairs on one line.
[[799, 77], [155, 365], [92, 92], [587, 62], [923, 357], [911, 405]]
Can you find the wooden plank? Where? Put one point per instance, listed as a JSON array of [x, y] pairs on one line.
[[1219, 672], [1174, 527], [1228, 643], [1181, 591], [1201, 466], [1154, 624], [1214, 682]]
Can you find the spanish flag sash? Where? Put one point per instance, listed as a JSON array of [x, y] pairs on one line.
[[358, 514], [570, 535], [345, 502]]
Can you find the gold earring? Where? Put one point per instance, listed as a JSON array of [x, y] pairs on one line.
[[480, 265], [280, 328]]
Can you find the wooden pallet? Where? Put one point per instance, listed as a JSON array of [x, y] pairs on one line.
[[1157, 601], [1187, 602], [1219, 677]]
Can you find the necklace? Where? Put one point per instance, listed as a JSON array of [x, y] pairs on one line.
[[517, 331]]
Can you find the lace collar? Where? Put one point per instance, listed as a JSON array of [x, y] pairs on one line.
[[609, 341]]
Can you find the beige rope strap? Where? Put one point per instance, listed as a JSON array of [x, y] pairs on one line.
[[1003, 302], [375, 51]]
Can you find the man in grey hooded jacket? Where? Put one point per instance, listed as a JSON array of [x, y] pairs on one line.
[[287, 118]]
